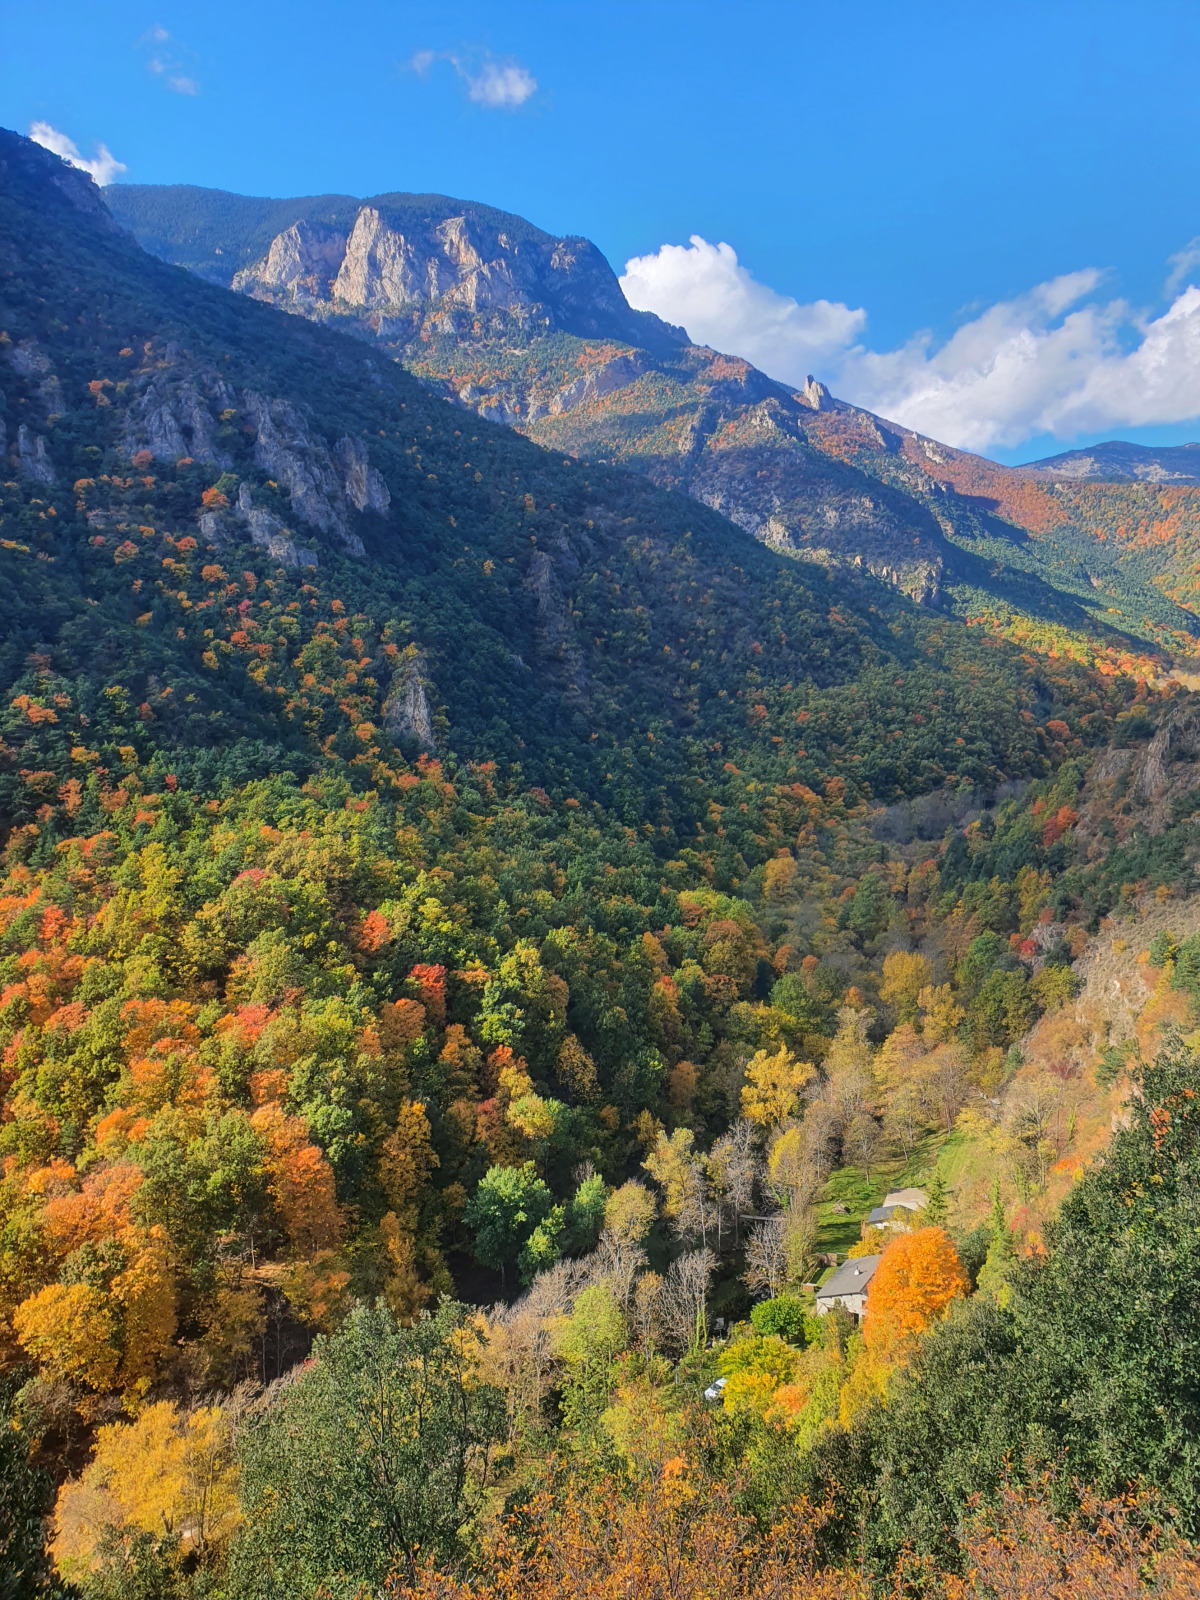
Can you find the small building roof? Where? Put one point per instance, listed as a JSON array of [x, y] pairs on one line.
[[852, 1277], [910, 1199]]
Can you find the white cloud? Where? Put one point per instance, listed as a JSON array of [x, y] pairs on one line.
[[497, 85], [706, 288], [1059, 360], [1181, 264], [167, 64], [1042, 363], [103, 166]]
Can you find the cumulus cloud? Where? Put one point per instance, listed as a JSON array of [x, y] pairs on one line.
[[1043, 363], [706, 288], [496, 85], [103, 166], [1060, 359], [500, 86]]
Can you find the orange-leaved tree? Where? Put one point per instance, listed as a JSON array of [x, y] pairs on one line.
[[678, 1536], [919, 1274], [918, 1277]]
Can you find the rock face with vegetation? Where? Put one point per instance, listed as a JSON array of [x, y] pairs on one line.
[[382, 264], [473, 916], [535, 333]]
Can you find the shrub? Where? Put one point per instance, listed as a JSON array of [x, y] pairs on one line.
[[784, 1315]]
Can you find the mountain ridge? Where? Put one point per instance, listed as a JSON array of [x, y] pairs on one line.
[[250, 227], [530, 584], [1054, 562], [1118, 461]]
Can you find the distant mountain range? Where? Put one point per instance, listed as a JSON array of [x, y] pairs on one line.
[[1118, 462], [1089, 551]]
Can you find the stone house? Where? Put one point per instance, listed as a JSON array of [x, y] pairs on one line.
[[848, 1286]]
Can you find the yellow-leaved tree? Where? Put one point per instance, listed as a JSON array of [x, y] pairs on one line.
[[171, 1473], [905, 974], [407, 1159], [71, 1331], [773, 1085], [113, 1337]]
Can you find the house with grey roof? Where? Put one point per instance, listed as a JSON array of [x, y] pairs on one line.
[[848, 1286], [897, 1201]]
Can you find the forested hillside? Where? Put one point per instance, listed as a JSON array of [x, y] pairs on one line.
[[1086, 555], [479, 910]]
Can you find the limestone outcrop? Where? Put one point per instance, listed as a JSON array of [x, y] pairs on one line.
[[299, 269], [32, 362], [174, 413], [361, 482], [181, 410], [401, 260], [33, 457], [815, 395], [406, 712]]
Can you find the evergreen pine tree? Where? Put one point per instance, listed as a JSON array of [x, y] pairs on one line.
[[996, 1273], [937, 1207]]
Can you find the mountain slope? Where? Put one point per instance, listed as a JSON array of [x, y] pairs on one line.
[[809, 475], [413, 836], [1118, 462], [556, 611]]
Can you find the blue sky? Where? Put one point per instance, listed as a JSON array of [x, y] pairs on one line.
[[922, 168]]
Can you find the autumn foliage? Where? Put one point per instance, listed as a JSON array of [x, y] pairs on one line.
[[918, 1276], [364, 923], [681, 1537]]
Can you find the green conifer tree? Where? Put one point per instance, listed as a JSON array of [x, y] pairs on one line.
[[937, 1207], [995, 1276]]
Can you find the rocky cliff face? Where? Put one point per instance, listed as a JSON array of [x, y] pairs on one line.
[[406, 713], [175, 412], [299, 270], [1136, 790], [532, 331], [388, 265], [179, 408]]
